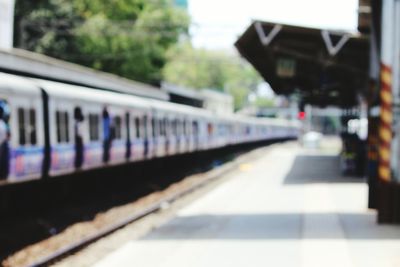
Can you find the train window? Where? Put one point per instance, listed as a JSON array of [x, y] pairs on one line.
[[247, 130], [21, 126], [185, 127], [158, 128], [26, 126], [66, 127], [58, 125], [181, 128], [32, 126], [62, 124], [178, 128], [117, 127], [145, 127], [153, 127], [162, 127], [164, 124], [137, 127], [173, 127], [195, 128], [189, 127], [94, 123], [166, 127], [127, 126]]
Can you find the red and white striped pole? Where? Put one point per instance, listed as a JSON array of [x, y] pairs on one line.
[[386, 94], [385, 126]]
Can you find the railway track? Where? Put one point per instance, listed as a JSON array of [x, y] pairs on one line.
[[156, 203], [71, 248]]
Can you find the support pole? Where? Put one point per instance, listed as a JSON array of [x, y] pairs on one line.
[[373, 119], [385, 124], [386, 187]]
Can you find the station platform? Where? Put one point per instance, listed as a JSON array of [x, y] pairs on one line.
[[290, 207]]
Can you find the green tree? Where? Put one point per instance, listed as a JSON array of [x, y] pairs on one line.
[[131, 42], [200, 68], [126, 37], [45, 26]]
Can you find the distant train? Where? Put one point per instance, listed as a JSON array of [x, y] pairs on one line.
[[51, 128]]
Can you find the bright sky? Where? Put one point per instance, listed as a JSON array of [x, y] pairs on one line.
[[218, 23]]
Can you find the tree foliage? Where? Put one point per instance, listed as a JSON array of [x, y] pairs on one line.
[[126, 37], [200, 68]]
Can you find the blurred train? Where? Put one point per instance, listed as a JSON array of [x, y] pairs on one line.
[[54, 128]]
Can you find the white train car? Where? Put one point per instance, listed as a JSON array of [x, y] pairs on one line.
[[54, 128]]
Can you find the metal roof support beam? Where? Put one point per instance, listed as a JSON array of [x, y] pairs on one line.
[[267, 39], [334, 49]]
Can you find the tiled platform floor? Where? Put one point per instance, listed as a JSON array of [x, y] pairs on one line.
[[290, 207]]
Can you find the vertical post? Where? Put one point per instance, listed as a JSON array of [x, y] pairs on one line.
[[385, 124], [396, 52], [386, 196], [373, 114], [386, 96], [396, 92], [373, 119]]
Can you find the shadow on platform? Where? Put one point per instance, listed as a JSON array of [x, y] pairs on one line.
[[307, 169], [274, 226]]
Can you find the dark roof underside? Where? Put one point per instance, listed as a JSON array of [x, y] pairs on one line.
[[297, 60]]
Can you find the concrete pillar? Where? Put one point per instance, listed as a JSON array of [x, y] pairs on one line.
[[395, 160], [386, 93], [387, 193]]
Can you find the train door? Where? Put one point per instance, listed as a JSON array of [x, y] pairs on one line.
[[78, 137], [146, 137], [62, 135], [128, 135], [202, 133], [195, 134], [118, 135], [167, 132], [210, 134], [179, 135], [172, 134], [93, 144], [23, 147], [137, 136], [154, 134], [107, 135], [160, 134], [187, 134]]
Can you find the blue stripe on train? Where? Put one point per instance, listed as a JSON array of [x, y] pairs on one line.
[[26, 161], [62, 157]]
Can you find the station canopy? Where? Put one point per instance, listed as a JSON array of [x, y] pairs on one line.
[[323, 67]]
